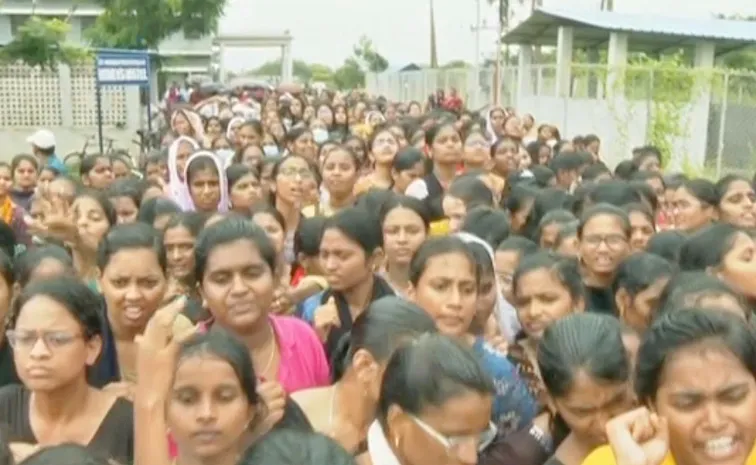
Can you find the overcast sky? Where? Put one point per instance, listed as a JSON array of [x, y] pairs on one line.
[[324, 31]]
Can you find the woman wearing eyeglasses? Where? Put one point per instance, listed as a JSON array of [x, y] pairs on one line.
[[604, 241], [55, 330], [291, 176], [434, 408]]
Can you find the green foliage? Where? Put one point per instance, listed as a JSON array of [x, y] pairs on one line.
[[456, 64], [350, 75], [144, 24], [372, 61], [673, 87], [41, 42], [321, 73], [668, 87], [300, 69], [743, 59]]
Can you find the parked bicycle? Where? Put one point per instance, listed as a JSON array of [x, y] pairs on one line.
[[147, 141], [72, 160]]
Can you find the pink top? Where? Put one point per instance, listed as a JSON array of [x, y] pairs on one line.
[[303, 362], [302, 359]]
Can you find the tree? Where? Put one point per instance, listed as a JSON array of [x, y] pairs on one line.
[[41, 42], [303, 71], [743, 59], [350, 75], [456, 64], [321, 73], [372, 61], [144, 24], [300, 69]]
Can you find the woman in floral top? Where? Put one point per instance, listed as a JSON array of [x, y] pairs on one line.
[[445, 283]]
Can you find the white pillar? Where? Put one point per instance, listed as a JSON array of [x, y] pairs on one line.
[[564, 60], [133, 109], [617, 61], [525, 71], [704, 55], [222, 72], [694, 143], [66, 102], [287, 66]]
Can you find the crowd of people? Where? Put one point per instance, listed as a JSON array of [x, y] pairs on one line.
[[334, 279]]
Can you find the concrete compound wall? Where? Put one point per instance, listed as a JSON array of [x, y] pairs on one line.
[[13, 140]]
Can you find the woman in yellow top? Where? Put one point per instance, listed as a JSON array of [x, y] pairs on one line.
[[696, 375]]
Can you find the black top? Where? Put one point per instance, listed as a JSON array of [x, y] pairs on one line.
[[106, 369], [114, 438], [435, 197], [294, 418], [380, 289], [600, 300], [7, 365]]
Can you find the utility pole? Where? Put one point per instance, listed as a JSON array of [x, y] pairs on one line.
[[481, 26], [433, 44], [503, 20], [478, 27]]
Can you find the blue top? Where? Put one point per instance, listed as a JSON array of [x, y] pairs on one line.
[[514, 408], [57, 164], [306, 308]]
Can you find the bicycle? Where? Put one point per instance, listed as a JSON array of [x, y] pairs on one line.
[[147, 142], [72, 160], [107, 144], [94, 140]]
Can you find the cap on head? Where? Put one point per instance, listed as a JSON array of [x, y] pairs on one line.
[[42, 139]]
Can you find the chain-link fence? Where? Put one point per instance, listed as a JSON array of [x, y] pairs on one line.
[[475, 87], [702, 119]]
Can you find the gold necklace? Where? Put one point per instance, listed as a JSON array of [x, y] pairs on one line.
[[273, 351]]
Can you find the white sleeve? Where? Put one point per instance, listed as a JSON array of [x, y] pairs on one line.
[[417, 189]]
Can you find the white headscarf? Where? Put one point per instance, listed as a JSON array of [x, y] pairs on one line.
[[194, 119], [232, 124], [178, 189], [504, 312], [222, 178], [489, 125]]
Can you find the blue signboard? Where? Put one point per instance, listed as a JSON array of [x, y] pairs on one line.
[[122, 68]]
